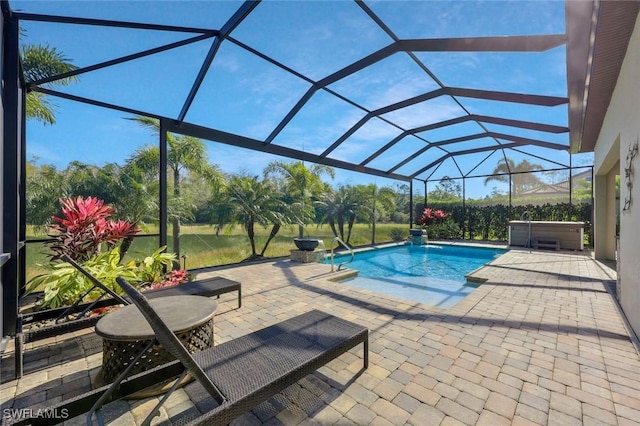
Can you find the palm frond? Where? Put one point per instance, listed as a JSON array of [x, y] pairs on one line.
[[43, 61]]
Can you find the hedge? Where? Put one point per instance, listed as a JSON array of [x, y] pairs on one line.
[[491, 222]]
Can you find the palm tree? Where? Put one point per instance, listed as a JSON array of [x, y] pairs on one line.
[[374, 203], [520, 180], [184, 154], [252, 202], [301, 184], [45, 185], [40, 62], [340, 208]]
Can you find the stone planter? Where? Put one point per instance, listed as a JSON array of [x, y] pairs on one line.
[[306, 244]]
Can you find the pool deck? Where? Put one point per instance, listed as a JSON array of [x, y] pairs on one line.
[[542, 341]]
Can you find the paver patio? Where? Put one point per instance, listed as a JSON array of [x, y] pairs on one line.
[[541, 342]]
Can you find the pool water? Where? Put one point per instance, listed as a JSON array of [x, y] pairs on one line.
[[431, 274]]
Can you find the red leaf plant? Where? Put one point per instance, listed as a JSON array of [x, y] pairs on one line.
[[84, 226], [431, 217], [172, 278]]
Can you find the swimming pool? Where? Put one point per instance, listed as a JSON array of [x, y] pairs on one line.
[[430, 274]]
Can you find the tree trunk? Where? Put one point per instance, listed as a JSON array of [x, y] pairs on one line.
[[352, 220], [272, 234], [373, 219], [373, 231], [332, 225], [176, 236], [124, 246], [252, 236], [341, 227]]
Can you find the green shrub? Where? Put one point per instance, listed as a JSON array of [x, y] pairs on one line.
[[446, 230], [397, 234]]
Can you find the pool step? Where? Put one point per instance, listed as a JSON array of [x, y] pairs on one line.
[[546, 242]]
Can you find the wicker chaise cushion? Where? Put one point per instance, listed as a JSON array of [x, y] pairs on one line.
[[205, 287], [250, 369], [214, 286]]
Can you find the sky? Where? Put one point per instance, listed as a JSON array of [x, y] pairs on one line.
[[247, 95]]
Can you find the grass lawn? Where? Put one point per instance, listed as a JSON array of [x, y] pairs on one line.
[[203, 247]]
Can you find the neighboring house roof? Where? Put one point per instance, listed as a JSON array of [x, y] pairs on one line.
[[547, 189], [559, 188]]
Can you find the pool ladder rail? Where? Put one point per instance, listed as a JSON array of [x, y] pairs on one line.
[[528, 216], [345, 246]]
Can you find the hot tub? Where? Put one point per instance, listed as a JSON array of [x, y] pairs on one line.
[[570, 235]]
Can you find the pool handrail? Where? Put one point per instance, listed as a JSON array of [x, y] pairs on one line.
[[345, 246], [528, 215]]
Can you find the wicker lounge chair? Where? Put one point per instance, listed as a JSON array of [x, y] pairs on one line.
[[214, 286], [246, 371]]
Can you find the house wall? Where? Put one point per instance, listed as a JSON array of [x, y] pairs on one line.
[[604, 221], [620, 130]]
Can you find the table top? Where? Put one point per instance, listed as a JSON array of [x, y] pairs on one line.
[[180, 313]]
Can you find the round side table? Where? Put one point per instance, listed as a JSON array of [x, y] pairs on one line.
[[125, 333]]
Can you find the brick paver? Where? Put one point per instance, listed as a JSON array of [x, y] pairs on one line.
[[541, 342]]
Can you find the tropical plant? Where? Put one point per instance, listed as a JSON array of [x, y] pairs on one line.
[[130, 191], [64, 284], [45, 185], [397, 234], [173, 278], [251, 202], [446, 229], [135, 195], [301, 185], [508, 171], [185, 154], [151, 268], [375, 203], [84, 227], [339, 209], [431, 217], [39, 62]]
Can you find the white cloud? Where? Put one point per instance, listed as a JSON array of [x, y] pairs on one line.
[[228, 63]]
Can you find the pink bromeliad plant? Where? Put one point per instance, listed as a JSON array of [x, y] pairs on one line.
[[85, 232], [432, 217], [84, 227]]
